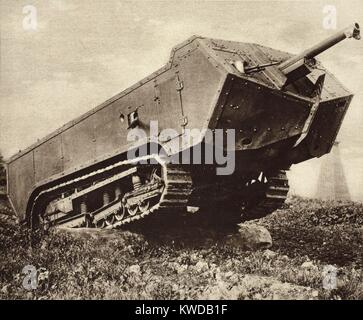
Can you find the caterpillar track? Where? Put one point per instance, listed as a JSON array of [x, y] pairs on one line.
[[167, 188], [131, 192], [271, 197], [174, 198], [257, 199]]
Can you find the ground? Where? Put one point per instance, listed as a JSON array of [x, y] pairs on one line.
[[309, 237]]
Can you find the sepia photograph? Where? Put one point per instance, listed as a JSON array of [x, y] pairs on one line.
[[196, 152]]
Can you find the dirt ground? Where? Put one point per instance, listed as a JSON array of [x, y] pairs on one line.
[[310, 239]]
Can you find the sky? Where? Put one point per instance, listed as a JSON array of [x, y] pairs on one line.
[[83, 52]]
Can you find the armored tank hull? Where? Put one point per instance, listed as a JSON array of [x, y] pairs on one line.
[[281, 111]]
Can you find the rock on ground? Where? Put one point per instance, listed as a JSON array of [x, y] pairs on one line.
[[252, 237]]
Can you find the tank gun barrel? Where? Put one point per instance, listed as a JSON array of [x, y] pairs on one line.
[[352, 31]]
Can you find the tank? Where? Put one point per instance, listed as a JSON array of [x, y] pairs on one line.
[[133, 156]]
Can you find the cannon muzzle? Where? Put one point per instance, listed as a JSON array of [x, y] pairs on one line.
[[352, 31]]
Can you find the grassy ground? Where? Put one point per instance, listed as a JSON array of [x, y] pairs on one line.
[[307, 236]]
